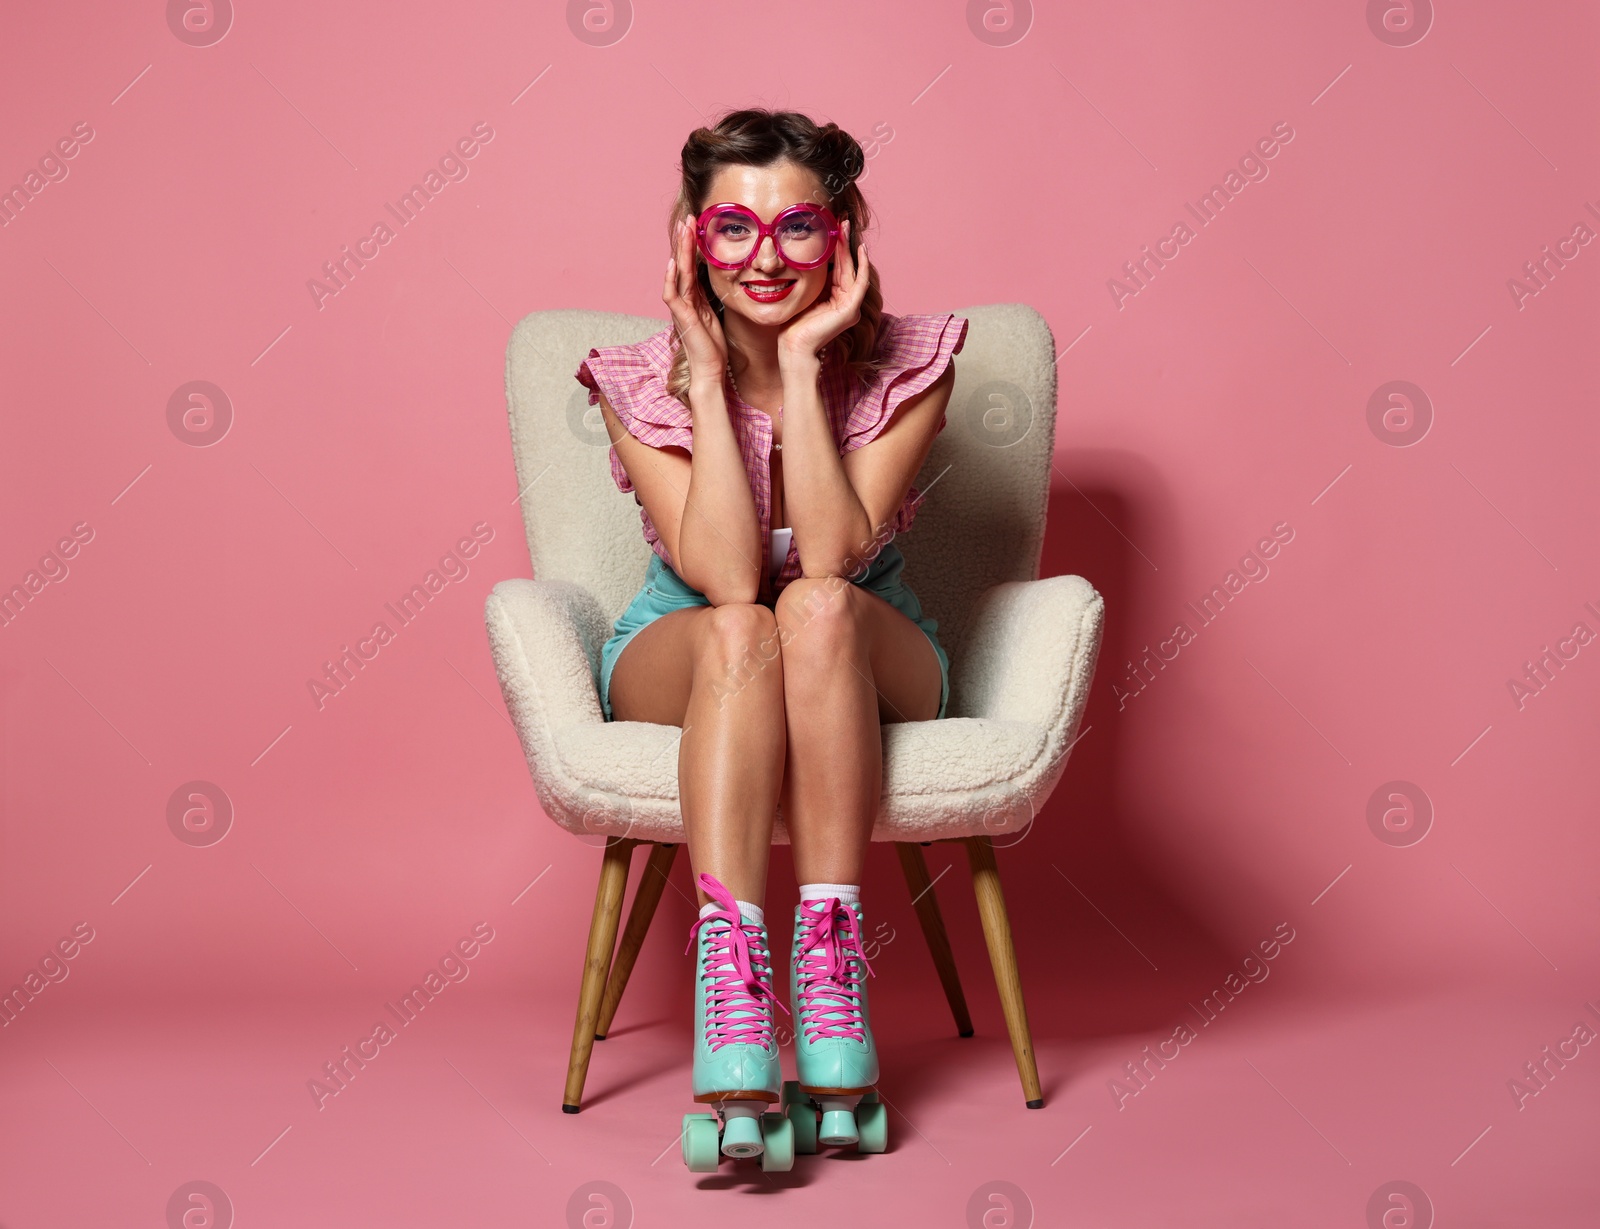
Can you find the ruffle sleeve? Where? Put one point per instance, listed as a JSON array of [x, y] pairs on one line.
[[633, 379], [914, 351]]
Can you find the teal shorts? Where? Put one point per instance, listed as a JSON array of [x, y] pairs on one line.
[[665, 591]]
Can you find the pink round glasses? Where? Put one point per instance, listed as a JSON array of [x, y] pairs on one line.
[[729, 235]]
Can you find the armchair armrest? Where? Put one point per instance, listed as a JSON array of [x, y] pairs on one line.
[[1031, 655], [546, 637]]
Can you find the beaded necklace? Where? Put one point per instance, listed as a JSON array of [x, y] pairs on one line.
[[775, 447]]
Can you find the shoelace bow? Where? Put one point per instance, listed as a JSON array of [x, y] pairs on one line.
[[829, 980], [737, 969]]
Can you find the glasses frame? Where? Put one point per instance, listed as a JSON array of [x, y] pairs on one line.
[[763, 230]]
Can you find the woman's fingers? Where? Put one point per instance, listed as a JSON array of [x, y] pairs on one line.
[[677, 262], [674, 287], [862, 278], [853, 285], [686, 266], [679, 289]]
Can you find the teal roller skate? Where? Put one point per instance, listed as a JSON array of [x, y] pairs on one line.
[[833, 1048], [736, 1067]]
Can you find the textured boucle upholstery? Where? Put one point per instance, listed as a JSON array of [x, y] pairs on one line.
[[1022, 650]]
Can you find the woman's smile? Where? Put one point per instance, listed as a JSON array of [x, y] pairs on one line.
[[768, 291]]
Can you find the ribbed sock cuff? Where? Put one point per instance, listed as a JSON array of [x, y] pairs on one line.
[[749, 912], [848, 893]]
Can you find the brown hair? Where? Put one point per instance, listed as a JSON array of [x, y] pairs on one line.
[[758, 137]]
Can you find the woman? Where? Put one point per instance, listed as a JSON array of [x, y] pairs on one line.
[[773, 625]]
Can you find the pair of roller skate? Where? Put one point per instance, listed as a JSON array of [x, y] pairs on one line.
[[736, 1059]]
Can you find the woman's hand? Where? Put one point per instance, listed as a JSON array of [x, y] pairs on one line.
[[804, 337], [699, 331]]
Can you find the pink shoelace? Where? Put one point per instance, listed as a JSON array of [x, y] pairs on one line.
[[737, 969], [829, 977]]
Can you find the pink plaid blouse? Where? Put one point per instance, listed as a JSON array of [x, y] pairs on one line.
[[915, 350]]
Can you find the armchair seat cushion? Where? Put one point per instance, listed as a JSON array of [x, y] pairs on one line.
[[943, 778]]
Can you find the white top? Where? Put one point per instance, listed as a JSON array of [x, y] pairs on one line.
[[779, 550]]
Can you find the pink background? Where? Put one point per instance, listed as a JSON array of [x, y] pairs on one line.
[[369, 435]]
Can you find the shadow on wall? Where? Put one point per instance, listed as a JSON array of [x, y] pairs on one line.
[[1105, 942]]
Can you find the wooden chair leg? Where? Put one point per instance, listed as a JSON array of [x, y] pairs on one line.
[[927, 907], [997, 933], [596, 964], [645, 899]]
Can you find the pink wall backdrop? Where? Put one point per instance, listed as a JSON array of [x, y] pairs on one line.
[[1351, 399]]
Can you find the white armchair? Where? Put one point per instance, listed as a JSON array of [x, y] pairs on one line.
[[1022, 650]]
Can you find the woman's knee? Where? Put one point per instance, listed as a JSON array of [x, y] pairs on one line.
[[818, 618], [737, 640]]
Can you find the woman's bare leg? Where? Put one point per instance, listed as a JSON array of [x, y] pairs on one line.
[[715, 671], [850, 661]]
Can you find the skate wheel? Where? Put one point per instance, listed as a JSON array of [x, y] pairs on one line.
[[803, 1118], [741, 1136], [777, 1132], [872, 1125], [838, 1127], [700, 1152]]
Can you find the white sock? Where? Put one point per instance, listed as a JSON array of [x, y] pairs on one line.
[[848, 893], [749, 912]]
